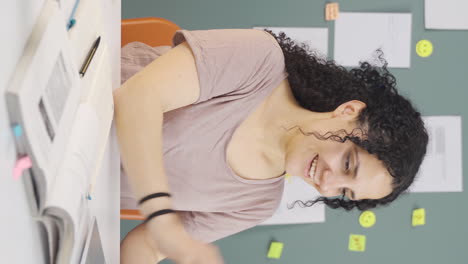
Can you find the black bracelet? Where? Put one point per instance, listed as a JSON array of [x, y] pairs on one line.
[[151, 196], [158, 213]]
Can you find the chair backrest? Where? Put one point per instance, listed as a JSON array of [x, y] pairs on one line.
[[152, 31], [130, 214]]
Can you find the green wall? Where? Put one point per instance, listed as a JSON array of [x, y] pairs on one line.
[[436, 85]]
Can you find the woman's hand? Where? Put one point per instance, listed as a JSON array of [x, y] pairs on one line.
[[173, 241]]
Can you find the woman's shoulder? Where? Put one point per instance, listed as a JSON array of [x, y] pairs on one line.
[[234, 35]]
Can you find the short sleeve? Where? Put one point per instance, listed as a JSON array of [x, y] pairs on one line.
[[212, 226], [135, 56], [234, 61]]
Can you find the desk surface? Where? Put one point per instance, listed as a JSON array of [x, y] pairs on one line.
[[20, 232]]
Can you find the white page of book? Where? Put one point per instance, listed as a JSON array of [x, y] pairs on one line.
[[316, 38], [446, 14], [359, 35], [79, 161], [441, 170], [86, 148], [89, 28]]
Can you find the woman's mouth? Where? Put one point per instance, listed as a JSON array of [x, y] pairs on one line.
[[311, 168]]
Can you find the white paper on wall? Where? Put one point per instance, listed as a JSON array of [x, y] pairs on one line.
[[359, 35], [446, 14], [316, 38], [441, 170], [296, 189]]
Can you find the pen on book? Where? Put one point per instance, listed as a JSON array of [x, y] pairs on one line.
[[72, 20], [90, 56]]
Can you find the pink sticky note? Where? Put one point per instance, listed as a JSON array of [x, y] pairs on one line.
[[22, 164]]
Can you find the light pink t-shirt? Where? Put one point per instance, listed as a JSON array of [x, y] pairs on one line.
[[237, 70]]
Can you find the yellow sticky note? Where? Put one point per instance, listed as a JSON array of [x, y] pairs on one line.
[[275, 250], [367, 219], [419, 217], [357, 242], [424, 48]]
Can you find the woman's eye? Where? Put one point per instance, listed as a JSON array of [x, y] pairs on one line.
[[347, 163]]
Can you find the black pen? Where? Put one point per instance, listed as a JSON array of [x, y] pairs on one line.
[[90, 57]]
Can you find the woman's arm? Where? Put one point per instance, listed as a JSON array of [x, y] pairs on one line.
[[167, 83], [139, 247]]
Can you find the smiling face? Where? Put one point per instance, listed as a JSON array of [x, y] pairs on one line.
[[424, 48], [337, 167]]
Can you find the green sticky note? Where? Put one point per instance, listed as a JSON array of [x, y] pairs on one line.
[[419, 217], [357, 242], [275, 250]]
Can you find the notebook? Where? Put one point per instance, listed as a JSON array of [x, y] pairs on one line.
[[66, 121]]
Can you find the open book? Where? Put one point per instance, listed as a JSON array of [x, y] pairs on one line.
[[66, 120]]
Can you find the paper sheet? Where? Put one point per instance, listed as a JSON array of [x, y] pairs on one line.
[[316, 38], [446, 14], [358, 35], [78, 164], [441, 170]]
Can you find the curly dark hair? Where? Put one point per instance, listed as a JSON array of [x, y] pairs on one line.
[[393, 129]]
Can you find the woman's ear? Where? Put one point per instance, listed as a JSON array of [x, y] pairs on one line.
[[349, 110]]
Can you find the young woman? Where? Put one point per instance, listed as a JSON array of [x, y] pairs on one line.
[[208, 130]]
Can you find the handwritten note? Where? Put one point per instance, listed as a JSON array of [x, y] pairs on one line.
[[357, 242], [442, 167]]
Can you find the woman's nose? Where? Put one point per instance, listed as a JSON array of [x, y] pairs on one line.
[[331, 183]]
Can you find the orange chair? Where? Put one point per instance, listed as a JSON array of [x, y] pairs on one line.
[[128, 214], [152, 31]]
